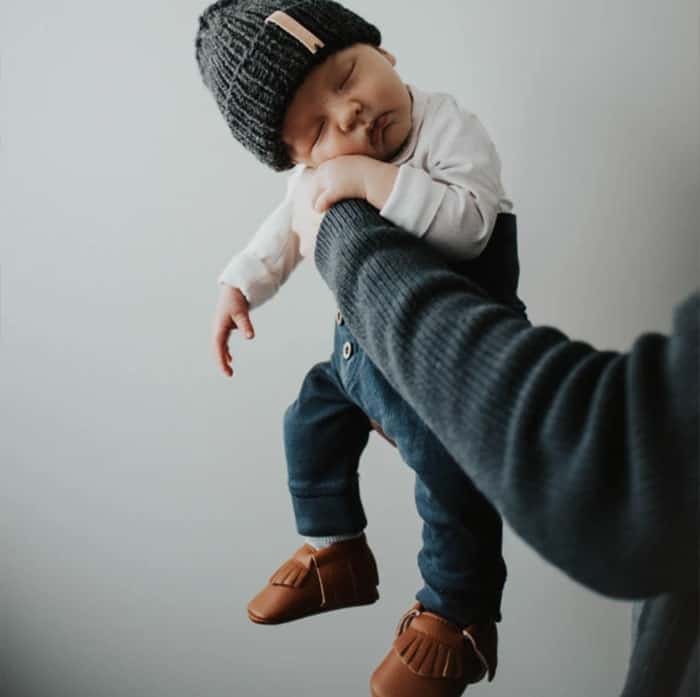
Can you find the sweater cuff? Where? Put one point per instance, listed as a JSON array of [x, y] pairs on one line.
[[347, 218], [355, 212], [345, 231]]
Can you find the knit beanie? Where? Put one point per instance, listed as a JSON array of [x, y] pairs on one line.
[[254, 54]]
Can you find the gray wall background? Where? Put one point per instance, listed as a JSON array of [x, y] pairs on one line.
[[143, 495]]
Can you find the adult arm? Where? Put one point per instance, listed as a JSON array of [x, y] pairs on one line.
[[591, 456]]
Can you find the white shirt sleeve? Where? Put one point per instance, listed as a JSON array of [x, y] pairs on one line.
[[261, 268], [454, 201]]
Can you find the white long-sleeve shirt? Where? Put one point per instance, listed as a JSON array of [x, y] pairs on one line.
[[448, 190]]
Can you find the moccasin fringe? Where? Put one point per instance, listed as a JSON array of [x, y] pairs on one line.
[[292, 573]]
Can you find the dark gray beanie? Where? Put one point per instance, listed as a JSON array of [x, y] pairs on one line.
[[253, 68]]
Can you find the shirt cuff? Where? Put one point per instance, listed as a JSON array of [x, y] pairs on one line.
[[414, 201], [250, 275]]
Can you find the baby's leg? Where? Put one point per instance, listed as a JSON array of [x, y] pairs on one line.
[[324, 436], [460, 561]]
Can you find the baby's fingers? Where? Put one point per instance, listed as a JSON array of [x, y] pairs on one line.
[[324, 201], [242, 321], [221, 347]]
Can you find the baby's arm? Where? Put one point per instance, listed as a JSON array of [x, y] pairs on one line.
[[267, 260], [454, 202], [254, 275]]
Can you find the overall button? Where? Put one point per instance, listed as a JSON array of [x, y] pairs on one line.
[[339, 318], [347, 350]]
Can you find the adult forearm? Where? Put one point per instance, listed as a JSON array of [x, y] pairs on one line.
[[591, 456]]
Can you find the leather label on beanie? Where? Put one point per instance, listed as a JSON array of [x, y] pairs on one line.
[[297, 30]]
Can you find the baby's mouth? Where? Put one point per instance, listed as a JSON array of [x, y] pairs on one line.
[[376, 128]]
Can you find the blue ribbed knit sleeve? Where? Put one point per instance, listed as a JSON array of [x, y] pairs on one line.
[[591, 456]]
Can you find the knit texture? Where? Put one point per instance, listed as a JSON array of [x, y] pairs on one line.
[[553, 431], [591, 456], [253, 68]]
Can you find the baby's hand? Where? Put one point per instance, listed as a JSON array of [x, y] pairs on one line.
[[231, 313], [340, 178]]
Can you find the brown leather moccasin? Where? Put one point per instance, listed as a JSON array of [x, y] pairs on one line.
[[314, 581], [431, 657]]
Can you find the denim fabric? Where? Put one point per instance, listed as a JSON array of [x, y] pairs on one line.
[[566, 411], [326, 430]]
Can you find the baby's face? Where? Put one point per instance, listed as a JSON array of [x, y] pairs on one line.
[[354, 103]]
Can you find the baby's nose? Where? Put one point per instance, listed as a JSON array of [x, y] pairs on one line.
[[350, 116]]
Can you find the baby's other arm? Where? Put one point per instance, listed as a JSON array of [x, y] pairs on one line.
[[254, 275], [268, 259]]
